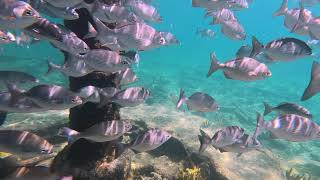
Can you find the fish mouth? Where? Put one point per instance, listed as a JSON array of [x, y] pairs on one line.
[[82, 54]]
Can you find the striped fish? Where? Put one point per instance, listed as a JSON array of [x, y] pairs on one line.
[[290, 127], [288, 108], [23, 143], [244, 69], [223, 137], [150, 140], [101, 132]]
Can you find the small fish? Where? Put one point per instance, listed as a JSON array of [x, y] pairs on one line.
[[218, 5], [129, 97], [200, 102], [106, 61], [290, 127], [284, 49], [23, 143], [101, 132], [59, 36], [244, 69], [292, 18], [144, 10], [17, 77], [222, 137], [206, 33], [17, 15], [52, 97], [288, 108], [234, 30], [75, 66], [245, 51], [314, 84], [133, 36], [221, 16], [150, 140]]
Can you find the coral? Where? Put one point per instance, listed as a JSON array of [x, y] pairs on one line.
[[293, 174], [190, 174]]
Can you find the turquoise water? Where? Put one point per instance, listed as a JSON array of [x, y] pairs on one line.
[[167, 69]]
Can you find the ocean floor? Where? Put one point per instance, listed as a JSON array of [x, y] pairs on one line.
[[276, 158]]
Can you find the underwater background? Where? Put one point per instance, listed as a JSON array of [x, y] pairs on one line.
[[165, 70]]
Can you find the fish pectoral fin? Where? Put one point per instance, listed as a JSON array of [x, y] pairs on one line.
[[227, 75], [252, 73]]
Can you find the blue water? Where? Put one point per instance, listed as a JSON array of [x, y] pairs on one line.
[[167, 69]]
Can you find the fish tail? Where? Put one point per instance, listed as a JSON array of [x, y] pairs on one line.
[[69, 133], [215, 65], [259, 126], [3, 117], [182, 99], [267, 108], [313, 87], [256, 47], [283, 9], [205, 140]]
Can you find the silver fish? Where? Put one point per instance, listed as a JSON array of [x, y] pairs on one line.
[[234, 30], [129, 97], [101, 132], [288, 108], [221, 16], [144, 10], [52, 97], [314, 84], [150, 140], [284, 49], [16, 77], [206, 33], [23, 143], [139, 36], [292, 18], [200, 102], [290, 127], [75, 66], [222, 137], [106, 61], [244, 69], [220, 4], [59, 36], [17, 15]]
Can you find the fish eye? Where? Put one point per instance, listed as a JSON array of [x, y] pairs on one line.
[[162, 41], [124, 63], [28, 12]]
